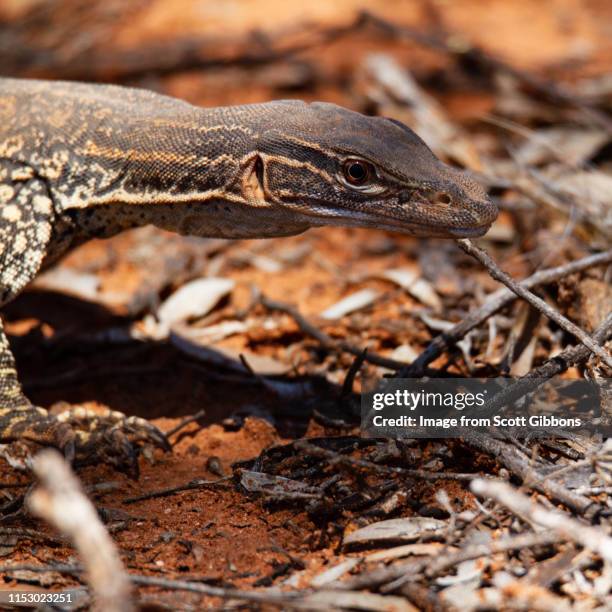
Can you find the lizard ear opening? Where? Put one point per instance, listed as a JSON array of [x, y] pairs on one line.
[[254, 184]]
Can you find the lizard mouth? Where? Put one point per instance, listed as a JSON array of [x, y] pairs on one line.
[[469, 232], [334, 216]]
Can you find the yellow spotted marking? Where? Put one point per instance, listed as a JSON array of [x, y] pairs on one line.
[[42, 204], [6, 193], [43, 232], [11, 213], [20, 244], [54, 166], [22, 174]]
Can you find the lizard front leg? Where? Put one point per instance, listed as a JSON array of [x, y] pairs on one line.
[[88, 436], [19, 419], [26, 221]]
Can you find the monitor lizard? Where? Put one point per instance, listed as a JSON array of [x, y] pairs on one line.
[[81, 161]]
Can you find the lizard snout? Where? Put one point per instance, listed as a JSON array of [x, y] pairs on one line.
[[468, 200]]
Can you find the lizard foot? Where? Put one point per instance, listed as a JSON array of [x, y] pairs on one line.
[[111, 437], [85, 436]]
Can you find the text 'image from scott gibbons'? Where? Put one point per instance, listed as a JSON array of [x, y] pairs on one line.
[[454, 407]]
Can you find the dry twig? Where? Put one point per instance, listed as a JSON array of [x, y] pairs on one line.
[[212, 591], [190, 486], [519, 465], [335, 458], [327, 341], [499, 275], [399, 571], [60, 500], [496, 302], [584, 535]]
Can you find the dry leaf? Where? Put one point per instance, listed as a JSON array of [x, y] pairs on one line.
[[212, 333], [416, 286], [195, 299], [407, 550], [70, 282], [404, 353], [592, 193], [402, 529], [351, 303]]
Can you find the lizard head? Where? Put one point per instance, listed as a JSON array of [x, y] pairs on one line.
[[331, 166]]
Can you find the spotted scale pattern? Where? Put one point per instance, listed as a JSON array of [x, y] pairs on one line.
[[26, 219]]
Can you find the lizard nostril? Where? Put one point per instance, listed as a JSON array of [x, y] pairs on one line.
[[442, 198]]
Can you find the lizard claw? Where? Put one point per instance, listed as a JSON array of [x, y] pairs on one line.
[[110, 446], [69, 450], [143, 431]]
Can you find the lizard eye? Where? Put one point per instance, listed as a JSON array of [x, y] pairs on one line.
[[357, 172]]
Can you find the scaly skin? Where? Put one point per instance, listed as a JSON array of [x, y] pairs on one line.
[[79, 161]]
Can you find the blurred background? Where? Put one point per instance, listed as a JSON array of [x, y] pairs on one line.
[[250, 50]]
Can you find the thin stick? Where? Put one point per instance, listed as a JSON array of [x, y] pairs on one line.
[[327, 341], [559, 363], [60, 568], [212, 591], [190, 486], [411, 568], [194, 587], [186, 421], [510, 458], [539, 304], [572, 355]]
